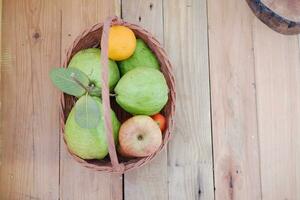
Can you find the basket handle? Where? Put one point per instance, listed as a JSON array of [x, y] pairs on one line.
[[117, 167]]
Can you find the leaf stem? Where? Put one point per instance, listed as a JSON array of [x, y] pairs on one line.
[[79, 83], [112, 95]]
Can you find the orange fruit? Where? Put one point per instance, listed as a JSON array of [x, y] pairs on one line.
[[121, 43]]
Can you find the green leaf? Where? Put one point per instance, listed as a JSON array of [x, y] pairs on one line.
[[87, 112], [70, 80]]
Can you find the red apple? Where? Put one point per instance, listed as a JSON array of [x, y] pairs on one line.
[[122, 153], [160, 120], [139, 136]]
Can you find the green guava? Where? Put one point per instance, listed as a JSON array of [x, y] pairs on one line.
[[142, 91], [88, 61], [89, 143], [142, 57]]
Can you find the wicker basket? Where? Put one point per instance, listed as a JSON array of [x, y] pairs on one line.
[[92, 37]]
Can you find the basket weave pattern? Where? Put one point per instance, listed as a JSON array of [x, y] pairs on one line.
[[92, 37]]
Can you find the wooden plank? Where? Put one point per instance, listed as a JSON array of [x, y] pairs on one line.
[[30, 159], [148, 14], [0, 79], [190, 167], [277, 61], [234, 120], [77, 182], [150, 181]]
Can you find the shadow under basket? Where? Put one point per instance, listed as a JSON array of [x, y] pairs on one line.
[[91, 37]]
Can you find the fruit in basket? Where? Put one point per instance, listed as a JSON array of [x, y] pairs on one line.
[[121, 43], [142, 57], [139, 136], [160, 120], [89, 143], [88, 61], [142, 91]]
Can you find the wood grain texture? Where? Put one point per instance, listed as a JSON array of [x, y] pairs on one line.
[[77, 182], [30, 159], [148, 14], [278, 104], [190, 167], [1, 141], [117, 7], [233, 99], [150, 181]]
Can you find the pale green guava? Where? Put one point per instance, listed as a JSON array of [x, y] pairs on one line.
[[142, 57], [89, 143], [142, 91], [88, 61]]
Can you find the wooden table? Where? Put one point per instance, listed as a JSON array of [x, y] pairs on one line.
[[237, 133]]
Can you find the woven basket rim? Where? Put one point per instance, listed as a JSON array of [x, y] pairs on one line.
[[168, 71]]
